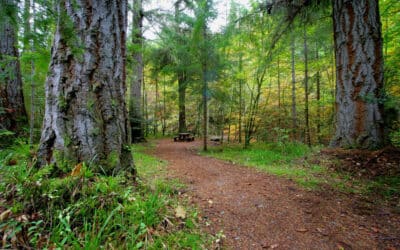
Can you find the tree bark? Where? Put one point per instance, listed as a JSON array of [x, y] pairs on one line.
[[12, 108], [135, 109], [359, 74], [86, 114]]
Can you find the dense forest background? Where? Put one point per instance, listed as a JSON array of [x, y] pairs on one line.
[[269, 78], [80, 81]]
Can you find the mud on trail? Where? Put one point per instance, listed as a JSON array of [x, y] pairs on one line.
[[255, 210]]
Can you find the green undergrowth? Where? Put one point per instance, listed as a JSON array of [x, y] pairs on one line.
[[85, 210], [387, 187], [276, 159], [295, 161]]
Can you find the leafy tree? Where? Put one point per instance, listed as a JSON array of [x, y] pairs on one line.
[[204, 51]]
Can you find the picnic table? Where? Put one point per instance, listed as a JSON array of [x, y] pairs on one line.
[[184, 137]]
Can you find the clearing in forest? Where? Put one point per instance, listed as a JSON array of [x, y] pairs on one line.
[[249, 209]]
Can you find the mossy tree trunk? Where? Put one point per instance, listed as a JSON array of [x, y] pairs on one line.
[[359, 73], [86, 114], [12, 108]]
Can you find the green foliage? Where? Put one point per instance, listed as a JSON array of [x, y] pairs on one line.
[[395, 138], [5, 136], [82, 210], [264, 153], [388, 186]]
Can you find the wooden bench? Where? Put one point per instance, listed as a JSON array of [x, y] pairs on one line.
[[184, 137]]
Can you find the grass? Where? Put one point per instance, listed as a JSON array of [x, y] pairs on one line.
[[291, 161], [91, 211], [276, 159], [387, 186]]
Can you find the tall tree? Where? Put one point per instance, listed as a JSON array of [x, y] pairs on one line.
[[156, 106], [12, 108], [29, 45], [307, 136], [279, 91], [135, 109], [205, 53], [293, 69], [181, 67], [86, 114], [359, 73], [318, 83], [240, 96]]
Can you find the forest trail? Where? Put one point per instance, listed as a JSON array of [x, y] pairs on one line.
[[260, 211]]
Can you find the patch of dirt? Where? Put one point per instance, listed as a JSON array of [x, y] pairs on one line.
[[365, 163], [255, 210]]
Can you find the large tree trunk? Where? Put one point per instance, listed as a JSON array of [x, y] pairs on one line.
[[359, 73], [135, 109], [86, 115], [12, 109]]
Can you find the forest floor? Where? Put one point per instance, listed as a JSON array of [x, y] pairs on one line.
[[249, 209]]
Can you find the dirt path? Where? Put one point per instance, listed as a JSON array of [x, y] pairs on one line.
[[259, 211]]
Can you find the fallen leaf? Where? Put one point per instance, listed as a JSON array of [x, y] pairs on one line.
[[180, 212], [5, 236], [340, 247], [302, 230], [22, 218], [375, 229], [77, 170], [12, 162], [4, 215], [274, 246], [321, 231]]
